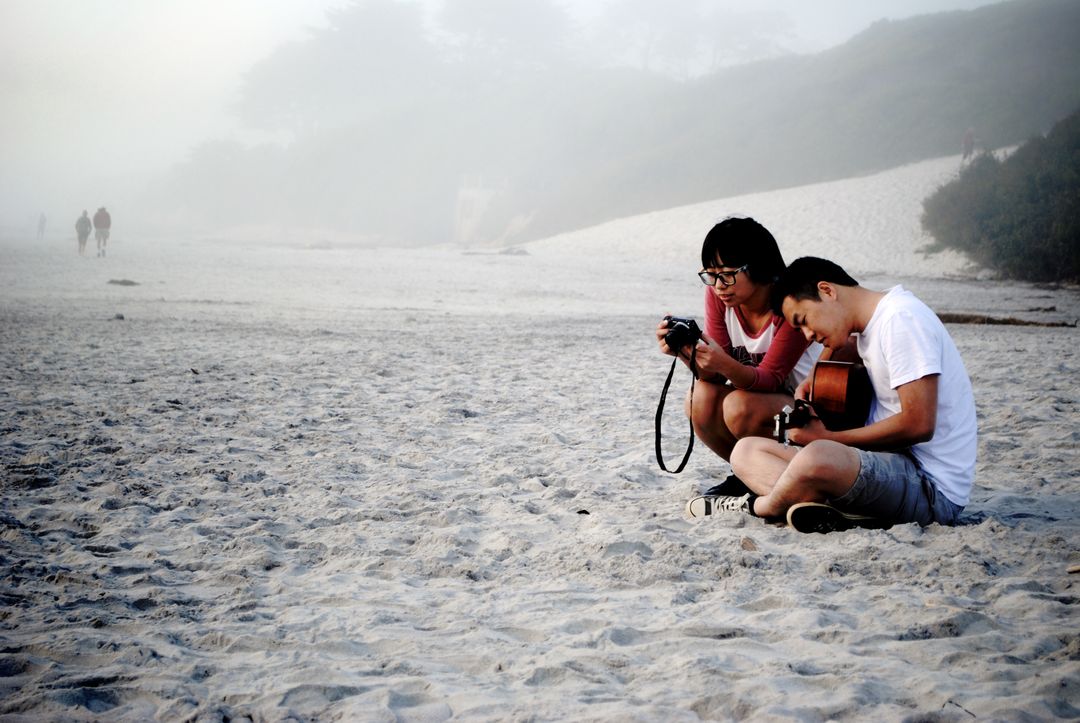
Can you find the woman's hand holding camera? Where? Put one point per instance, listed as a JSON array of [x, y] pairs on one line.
[[661, 338], [710, 358], [710, 361]]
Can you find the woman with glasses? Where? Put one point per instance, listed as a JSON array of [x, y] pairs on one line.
[[749, 360]]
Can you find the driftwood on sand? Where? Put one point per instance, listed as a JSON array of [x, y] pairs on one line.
[[954, 318]]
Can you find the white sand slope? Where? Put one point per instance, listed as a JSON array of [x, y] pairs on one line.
[[870, 225], [353, 485]]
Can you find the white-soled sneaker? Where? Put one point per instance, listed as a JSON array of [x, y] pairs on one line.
[[707, 505], [816, 517]]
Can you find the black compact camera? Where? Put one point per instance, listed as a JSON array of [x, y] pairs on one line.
[[789, 418], [681, 332]]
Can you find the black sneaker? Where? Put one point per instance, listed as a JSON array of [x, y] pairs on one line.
[[731, 487], [816, 517], [707, 505]]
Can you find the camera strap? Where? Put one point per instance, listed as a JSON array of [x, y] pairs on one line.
[[660, 412]]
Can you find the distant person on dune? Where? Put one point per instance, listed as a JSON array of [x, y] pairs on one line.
[[83, 228], [913, 461], [102, 224], [749, 360], [41, 226], [967, 144]]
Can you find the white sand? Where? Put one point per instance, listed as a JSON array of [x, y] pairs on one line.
[[872, 223], [349, 485]]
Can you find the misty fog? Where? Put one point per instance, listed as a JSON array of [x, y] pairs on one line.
[[469, 121]]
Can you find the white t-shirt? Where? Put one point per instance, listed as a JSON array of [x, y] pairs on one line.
[[905, 341]]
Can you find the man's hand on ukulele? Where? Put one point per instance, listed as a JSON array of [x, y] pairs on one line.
[[803, 436], [803, 390]]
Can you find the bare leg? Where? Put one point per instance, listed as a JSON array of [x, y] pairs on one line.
[[760, 462], [750, 414], [707, 416], [723, 415], [819, 471]]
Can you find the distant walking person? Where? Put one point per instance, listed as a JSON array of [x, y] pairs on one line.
[[967, 144], [41, 226], [102, 224], [83, 228]]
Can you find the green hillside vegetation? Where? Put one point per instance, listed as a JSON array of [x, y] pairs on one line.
[[1020, 216], [897, 93], [565, 144]]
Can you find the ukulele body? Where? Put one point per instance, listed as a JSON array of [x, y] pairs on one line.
[[840, 393]]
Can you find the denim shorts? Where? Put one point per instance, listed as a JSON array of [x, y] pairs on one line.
[[891, 486]]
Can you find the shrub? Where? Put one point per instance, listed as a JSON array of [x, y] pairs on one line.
[[1020, 216]]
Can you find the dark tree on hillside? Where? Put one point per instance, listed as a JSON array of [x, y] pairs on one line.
[[374, 56], [690, 38], [1020, 216], [730, 37], [389, 115], [524, 34], [654, 36]]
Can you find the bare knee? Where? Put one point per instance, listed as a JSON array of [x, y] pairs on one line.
[[702, 406], [747, 447], [746, 450], [833, 466], [750, 414], [742, 413]]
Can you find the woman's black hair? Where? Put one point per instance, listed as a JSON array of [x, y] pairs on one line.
[[736, 242]]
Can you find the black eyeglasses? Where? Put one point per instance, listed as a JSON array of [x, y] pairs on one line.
[[724, 278]]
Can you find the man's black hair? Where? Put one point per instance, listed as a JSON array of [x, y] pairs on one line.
[[735, 242], [800, 280]]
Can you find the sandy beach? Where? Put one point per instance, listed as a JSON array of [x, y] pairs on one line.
[[272, 482]]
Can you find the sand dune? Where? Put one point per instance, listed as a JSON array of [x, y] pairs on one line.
[[386, 485], [872, 223]]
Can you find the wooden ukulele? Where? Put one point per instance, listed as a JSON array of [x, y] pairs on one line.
[[840, 393]]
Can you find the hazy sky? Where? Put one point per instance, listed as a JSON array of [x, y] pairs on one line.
[[114, 90]]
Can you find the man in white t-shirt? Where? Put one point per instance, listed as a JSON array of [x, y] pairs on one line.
[[914, 461]]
